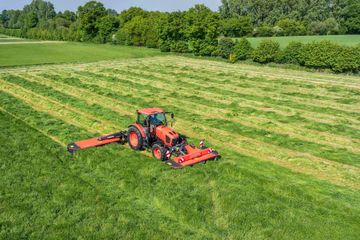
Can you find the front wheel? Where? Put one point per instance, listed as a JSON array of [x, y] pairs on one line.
[[158, 152]]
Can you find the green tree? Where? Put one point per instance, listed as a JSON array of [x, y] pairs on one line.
[[267, 51], [242, 49], [290, 27], [236, 27], [201, 23], [127, 15], [89, 15], [107, 26], [38, 12]]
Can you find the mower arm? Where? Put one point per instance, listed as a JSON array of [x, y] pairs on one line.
[[97, 141]]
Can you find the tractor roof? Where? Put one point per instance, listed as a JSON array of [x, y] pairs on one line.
[[149, 111]]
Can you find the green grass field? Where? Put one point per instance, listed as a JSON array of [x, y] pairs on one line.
[[349, 40], [64, 52], [290, 145]]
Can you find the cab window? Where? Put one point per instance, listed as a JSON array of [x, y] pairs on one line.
[[141, 119]]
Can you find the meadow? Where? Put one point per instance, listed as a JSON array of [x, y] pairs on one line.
[[348, 40], [19, 52], [289, 141]]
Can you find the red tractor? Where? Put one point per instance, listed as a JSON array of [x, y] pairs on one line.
[[151, 131]]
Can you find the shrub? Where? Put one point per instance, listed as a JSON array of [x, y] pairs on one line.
[[263, 31], [226, 47], [329, 26], [267, 51], [164, 46], [291, 54], [326, 54], [179, 46], [243, 49], [290, 27], [232, 58], [346, 59], [318, 54]]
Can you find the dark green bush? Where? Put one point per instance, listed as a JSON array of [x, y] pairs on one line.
[[291, 54], [318, 54], [267, 51], [326, 54], [263, 31], [164, 46], [243, 49], [226, 47], [179, 46], [347, 59]]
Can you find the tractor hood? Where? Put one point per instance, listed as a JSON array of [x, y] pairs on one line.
[[167, 135]]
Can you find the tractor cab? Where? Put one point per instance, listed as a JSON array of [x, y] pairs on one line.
[[152, 117], [154, 121]]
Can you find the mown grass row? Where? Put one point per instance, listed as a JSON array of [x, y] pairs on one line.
[[334, 173], [153, 89], [234, 106], [136, 197], [341, 155], [256, 97], [321, 111], [230, 79], [208, 102]]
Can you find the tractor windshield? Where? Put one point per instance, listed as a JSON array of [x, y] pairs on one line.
[[158, 119]]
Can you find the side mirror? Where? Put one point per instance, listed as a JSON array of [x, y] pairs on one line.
[[172, 115]]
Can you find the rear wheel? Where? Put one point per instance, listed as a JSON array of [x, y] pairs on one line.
[[135, 139], [158, 152]]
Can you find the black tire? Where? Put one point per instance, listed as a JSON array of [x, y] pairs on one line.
[[133, 131], [161, 150]]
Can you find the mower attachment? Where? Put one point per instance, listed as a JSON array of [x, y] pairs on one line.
[[194, 155], [96, 142]]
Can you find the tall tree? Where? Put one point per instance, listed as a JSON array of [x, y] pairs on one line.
[[89, 15]]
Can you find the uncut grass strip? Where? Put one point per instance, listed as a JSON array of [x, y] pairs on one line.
[[47, 124], [175, 97], [57, 109], [336, 154], [49, 92], [53, 138]]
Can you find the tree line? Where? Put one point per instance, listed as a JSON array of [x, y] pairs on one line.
[[235, 18], [198, 30]]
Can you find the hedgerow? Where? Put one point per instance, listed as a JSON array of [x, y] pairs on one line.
[[266, 52]]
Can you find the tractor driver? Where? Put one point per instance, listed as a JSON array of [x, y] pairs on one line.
[[156, 119]]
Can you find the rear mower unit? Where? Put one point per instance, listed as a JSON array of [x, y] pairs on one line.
[[151, 132]]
